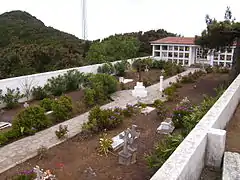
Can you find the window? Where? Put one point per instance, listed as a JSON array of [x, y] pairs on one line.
[[186, 55], [170, 48], [185, 62], [180, 62], [181, 55], [164, 48], [157, 54], [215, 57], [221, 64], [157, 47], [175, 48], [186, 48], [228, 65], [170, 54], [229, 57], [175, 54], [222, 57], [229, 50], [164, 54], [181, 48]]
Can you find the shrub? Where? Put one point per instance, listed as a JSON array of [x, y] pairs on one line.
[[46, 103], [39, 93], [30, 120], [3, 139], [73, 80], [62, 132], [11, 97], [170, 92], [209, 69], [120, 68], [100, 120], [158, 64], [142, 64], [62, 108], [130, 110], [183, 109], [26, 175], [106, 68], [42, 152], [56, 85], [161, 109], [105, 144], [172, 69], [89, 97], [163, 151]]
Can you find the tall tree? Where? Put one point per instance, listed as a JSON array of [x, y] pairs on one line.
[[221, 34]]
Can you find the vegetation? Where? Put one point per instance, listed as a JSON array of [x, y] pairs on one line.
[[221, 34], [11, 97], [105, 144], [61, 132], [46, 104]]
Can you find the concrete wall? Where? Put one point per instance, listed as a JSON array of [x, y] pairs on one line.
[[205, 144], [41, 78]]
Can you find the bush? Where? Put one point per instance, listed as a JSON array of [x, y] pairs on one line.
[[100, 120], [106, 68], [163, 151], [56, 85], [130, 110], [158, 64], [30, 120], [26, 175], [3, 139], [142, 64], [62, 108], [46, 103], [120, 68], [73, 80], [170, 92], [62, 132], [172, 69], [161, 109], [11, 97], [89, 97], [39, 93]]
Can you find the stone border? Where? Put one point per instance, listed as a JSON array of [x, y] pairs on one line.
[[205, 144], [26, 148]]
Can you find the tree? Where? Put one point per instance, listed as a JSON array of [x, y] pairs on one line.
[[221, 34]]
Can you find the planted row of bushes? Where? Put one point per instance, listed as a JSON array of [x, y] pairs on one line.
[[118, 68], [185, 116], [33, 119]]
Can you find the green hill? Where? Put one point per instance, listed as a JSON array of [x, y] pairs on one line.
[[27, 46]]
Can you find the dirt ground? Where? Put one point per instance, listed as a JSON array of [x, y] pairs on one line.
[[78, 159], [211, 174]]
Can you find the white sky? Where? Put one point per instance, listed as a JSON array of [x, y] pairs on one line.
[[107, 17]]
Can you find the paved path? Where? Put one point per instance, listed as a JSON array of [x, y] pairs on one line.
[[26, 148]]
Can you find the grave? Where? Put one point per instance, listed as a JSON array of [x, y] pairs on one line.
[[4, 125], [147, 110], [139, 90], [25, 105], [124, 81], [41, 175], [129, 153], [166, 127]]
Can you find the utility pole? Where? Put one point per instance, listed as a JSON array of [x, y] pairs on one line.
[[84, 20]]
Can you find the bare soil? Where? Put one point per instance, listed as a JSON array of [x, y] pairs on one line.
[[73, 159]]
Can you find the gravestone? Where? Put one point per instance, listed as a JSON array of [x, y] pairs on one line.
[[129, 153], [25, 105], [139, 90], [166, 127], [147, 110]]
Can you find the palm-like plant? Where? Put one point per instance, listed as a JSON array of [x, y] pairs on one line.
[[105, 144]]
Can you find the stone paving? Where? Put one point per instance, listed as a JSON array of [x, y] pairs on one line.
[[26, 148]]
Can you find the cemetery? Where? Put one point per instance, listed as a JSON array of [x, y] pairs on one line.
[[121, 143]]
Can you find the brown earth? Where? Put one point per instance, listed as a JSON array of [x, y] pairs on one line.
[[71, 160]]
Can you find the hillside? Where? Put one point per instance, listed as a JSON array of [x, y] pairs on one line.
[[27, 46]]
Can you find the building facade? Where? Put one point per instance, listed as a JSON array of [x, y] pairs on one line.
[[184, 51]]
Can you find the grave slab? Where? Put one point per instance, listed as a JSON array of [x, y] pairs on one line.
[[166, 127], [4, 125], [147, 110]]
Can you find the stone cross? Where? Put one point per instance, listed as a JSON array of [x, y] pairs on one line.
[[161, 84], [126, 140], [134, 135], [39, 173]]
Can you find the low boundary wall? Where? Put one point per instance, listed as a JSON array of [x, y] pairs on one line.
[[205, 144], [40, 79]]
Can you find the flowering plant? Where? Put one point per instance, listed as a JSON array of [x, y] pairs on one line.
[[184, 108]]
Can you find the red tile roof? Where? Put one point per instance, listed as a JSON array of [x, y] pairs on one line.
[[175, 40]]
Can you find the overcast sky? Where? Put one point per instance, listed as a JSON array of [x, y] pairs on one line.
[[106, 17]]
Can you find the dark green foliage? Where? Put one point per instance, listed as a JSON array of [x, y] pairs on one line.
[[130, 110], [11, 97], [62, 108], [121, 67], [46, 104], [73, 80], [163, 151], [26, 175], [90, 97], [106, 68], [158, 64], [100, 120], [56, 85], [27, 46], [39, 93], [161, 109], [3, 139], [30, 120], [62, 132]]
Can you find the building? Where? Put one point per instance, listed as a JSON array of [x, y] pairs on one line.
[[184, 51]]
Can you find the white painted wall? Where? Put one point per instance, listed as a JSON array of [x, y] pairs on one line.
[[41, 78], [205, 143]]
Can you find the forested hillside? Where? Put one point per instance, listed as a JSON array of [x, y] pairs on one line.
[[27, 46]]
